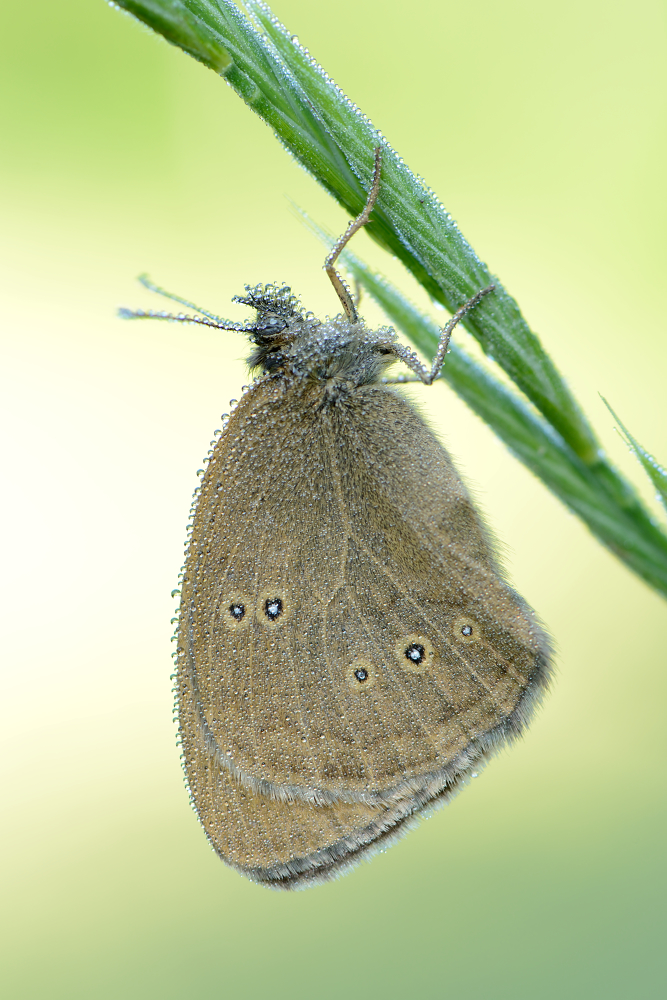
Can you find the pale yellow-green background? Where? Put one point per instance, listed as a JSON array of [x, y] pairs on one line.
[[543, 129]]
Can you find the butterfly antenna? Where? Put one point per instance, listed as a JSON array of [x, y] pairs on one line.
[[147, 283], [217, 324], [205, 319]]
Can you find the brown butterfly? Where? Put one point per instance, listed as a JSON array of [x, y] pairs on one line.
[[348, 650]]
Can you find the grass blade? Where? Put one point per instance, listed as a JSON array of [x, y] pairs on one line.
[[654, 471], [541, 422]]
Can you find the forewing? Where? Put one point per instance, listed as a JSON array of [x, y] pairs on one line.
[[268, 527], [352, 517]]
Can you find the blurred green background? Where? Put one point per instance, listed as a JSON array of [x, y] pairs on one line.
[[543, 129]]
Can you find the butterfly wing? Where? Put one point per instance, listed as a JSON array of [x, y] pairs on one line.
[[285, 844], [455, 656], [344, 628]]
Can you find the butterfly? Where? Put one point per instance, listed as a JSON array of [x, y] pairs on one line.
[[348, 651]]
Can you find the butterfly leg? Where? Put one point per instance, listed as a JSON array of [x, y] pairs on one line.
[[408, 357], [355, 225]]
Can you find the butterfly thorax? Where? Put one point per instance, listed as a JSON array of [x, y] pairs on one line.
[[291, 341]]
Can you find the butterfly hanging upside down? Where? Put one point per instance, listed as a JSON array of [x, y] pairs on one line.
[[348, 651]]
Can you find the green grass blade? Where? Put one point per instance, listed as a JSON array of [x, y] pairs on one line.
[[543, 423], [654, 471], [277, 78], [412, 223], [175, 21], [626, 529]]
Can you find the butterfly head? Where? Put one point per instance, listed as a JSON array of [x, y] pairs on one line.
[[290, 339]]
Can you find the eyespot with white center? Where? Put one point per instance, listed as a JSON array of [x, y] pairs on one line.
[[466, 630], [273, 606], [235, 610], [361, 675], [414, 653]]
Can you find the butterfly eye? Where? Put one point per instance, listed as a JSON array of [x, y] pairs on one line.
[[414, 653], [361, 675], [466, 630], [235, 612]]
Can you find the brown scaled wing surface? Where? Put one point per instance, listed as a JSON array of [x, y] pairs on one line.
[[312, 735]]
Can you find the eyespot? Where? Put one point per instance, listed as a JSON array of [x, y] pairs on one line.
[[273, 607], [361, 675], [414, 653], [466, 630], [235, 612]]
